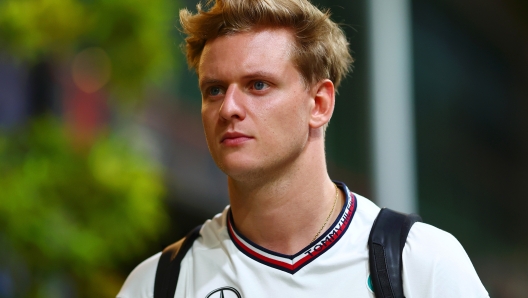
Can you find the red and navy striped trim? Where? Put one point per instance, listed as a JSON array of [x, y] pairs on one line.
[[293, 263]]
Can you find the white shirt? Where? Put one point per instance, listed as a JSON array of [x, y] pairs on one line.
[[224, 262]]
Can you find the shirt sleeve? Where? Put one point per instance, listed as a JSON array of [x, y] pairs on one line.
[[140, 282], [435, 265]]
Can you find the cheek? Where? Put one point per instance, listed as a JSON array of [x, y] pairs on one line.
[[208, 115], [284, 125], [208, 125], [295, 115]]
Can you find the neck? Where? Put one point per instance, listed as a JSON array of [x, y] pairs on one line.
[[283, 213]]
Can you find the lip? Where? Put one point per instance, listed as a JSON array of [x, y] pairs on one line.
[[233, 138]]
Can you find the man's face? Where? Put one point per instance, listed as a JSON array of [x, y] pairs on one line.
[[255, 106]]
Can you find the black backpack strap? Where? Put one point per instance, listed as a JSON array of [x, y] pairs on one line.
[[168, 269], [386, 241]]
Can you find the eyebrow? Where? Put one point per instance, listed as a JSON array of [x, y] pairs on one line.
[[261, 75], [208, 81]]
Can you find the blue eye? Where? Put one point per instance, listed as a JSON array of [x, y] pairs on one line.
[[259, 85], [215, 91]]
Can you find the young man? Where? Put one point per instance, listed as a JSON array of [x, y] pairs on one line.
[[267, 71]]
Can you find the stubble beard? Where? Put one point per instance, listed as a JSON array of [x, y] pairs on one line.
[[270, 169]]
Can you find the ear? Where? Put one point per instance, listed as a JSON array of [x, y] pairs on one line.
[[323, 103]]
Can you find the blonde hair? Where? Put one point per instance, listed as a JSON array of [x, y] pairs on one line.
[[321, 48]]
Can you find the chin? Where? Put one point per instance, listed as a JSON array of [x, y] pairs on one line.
[[241, 171]]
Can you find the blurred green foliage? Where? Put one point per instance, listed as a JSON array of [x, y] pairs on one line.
[[70, 213], [135, 34], [75, 212]]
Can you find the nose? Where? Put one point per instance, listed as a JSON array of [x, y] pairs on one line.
[[233, 104]]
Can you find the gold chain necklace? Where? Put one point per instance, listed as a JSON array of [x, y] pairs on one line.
[[331, 212]]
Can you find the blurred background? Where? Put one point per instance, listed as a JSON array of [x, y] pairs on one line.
[[103, 160]]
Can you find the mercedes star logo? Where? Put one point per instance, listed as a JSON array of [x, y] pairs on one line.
[[225, 292]]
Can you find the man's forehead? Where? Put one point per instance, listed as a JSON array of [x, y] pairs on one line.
[[248, 49]]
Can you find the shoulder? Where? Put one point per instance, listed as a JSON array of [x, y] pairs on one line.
[[428, 245], [367, 205], [366, 211], [140, 282], [214, 231], [436, 242], [436, 265]]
